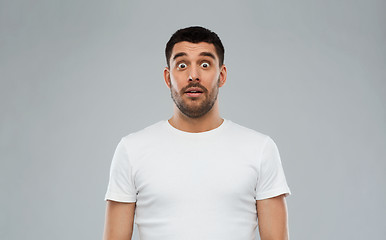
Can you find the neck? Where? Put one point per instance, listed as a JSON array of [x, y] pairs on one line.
[[209, 121]]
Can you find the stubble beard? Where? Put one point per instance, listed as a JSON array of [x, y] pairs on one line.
[[195, 111]]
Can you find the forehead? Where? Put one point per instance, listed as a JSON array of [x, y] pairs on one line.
[[193, 49]]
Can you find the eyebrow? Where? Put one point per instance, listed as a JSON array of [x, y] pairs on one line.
[[207, 54], [179, 55]]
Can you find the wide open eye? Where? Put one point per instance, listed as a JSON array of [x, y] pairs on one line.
[[181, 66], [205, 65]]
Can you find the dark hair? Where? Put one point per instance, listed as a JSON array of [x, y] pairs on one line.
[[195, 34]]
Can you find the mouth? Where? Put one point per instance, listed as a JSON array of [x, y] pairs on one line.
[[194, 92]]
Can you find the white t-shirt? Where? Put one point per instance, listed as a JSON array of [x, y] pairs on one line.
[[196, 185]]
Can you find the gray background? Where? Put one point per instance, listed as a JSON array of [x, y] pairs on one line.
[[76, 76]]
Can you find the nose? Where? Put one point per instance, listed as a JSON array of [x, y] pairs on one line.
[[194, 74]]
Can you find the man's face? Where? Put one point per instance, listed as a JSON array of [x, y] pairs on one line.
[[194, 77]]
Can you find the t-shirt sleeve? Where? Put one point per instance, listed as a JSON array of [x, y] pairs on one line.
[[271, 181], [121, 187]]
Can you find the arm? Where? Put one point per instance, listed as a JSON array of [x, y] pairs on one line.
[[272, 218], [119, 220]]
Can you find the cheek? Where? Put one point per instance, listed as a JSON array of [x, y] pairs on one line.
[[214, 80], [178, 80], [174, 85]]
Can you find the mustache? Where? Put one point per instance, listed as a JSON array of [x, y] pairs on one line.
[[198, 85]]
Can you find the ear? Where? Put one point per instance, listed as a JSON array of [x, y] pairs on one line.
[[167, 76], [223, 75]]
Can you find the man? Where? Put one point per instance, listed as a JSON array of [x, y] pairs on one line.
[[196, 175]]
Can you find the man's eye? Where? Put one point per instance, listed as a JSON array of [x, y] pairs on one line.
[[205, 65], [182, 65]]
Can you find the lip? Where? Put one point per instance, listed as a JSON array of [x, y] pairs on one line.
[[193, 94], [194, 89], [199, 92]]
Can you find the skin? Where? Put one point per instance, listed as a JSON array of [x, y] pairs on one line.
[[201, 71], [190, 66], [273, 218], [119, 220]]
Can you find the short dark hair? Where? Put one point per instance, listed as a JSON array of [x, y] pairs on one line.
[[195, 34]]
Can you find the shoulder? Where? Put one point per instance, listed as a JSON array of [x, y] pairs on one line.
[[243, 133], [144, 136]]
